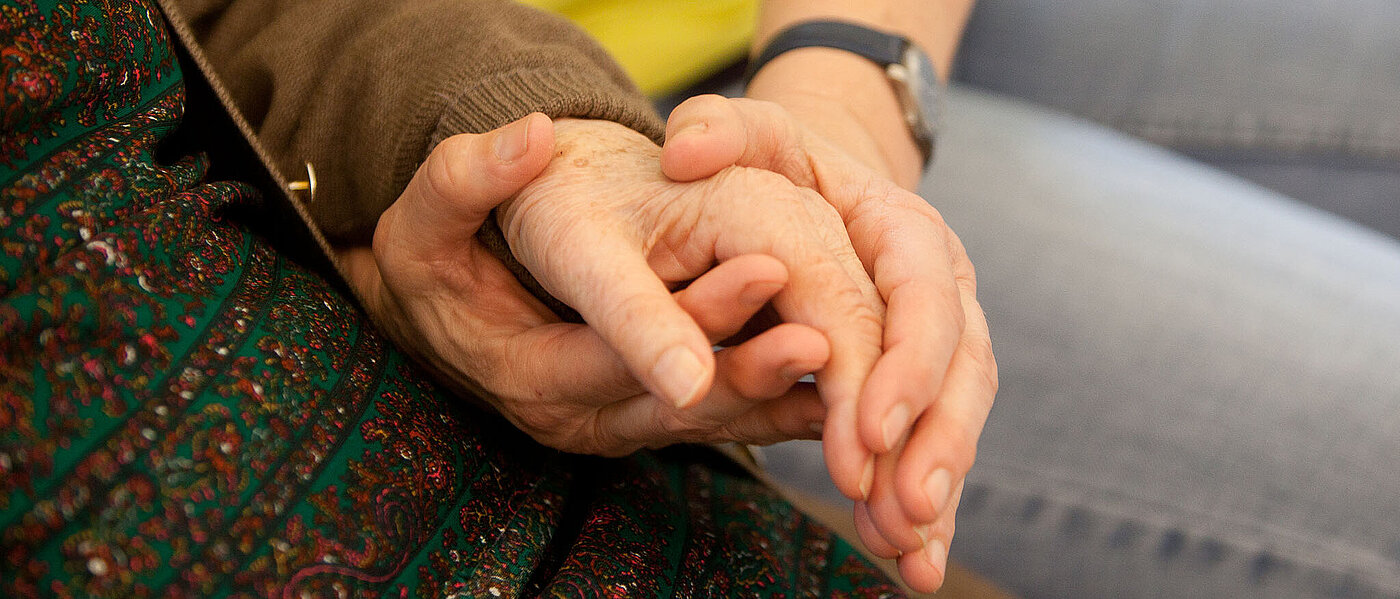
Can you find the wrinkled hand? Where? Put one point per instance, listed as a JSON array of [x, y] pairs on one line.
[[923, 407], [440, 294], [603, 213]]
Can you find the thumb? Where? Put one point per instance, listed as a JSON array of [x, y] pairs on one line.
[[465, 177], [707, 133]]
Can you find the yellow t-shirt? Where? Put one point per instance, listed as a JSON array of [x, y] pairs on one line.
[[665, 45]]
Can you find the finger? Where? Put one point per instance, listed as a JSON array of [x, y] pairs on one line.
[[759, 135], [753, 400], [706, 133], [645, 421], [852, 326], [826, 295], [767, 365], [464, 178], [874, 541], [886, 514], [796, 414], [722, 300], [924, 314], [557, 361], [608, 280], [756, 398], [943, 445], [926, 569], [900, 238], [539, 361], [827, 290]]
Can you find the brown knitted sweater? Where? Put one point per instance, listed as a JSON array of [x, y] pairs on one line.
[[363, 90]]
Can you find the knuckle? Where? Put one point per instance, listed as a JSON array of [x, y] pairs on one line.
[[761, 184], [770, 113], [943, 529], [542, 419], [865, 319], [637, 310], [545, 429], [682, 425], [492, 373], [449, 166], [826, 216], [963, 270], [536, 228], [931, 215], [982, 361], [965, 277], [671, 421], [858, 317], [594, 436], [962, 452], [457, 148], [735, 432]]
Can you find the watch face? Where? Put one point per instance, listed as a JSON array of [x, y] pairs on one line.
[[924, 84]]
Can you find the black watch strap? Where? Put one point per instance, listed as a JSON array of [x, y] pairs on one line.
[[882, 48]]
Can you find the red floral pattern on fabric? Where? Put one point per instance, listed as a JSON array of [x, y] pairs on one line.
[[186, 413]]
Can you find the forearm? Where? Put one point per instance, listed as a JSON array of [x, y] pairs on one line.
[[845, 97]]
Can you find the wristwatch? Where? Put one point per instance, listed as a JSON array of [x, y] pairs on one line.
[[908, 68]]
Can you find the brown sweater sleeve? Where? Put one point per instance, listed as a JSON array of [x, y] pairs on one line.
[[363, 90]]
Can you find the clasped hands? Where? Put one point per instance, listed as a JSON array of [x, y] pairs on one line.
[[667, 251]]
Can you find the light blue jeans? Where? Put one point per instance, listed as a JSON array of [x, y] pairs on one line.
[[1200, 378], [1303, 97]]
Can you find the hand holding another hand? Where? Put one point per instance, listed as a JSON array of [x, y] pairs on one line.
[[441, 294], [604, 230], [928, 395]]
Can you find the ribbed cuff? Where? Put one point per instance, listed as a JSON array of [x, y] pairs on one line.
[[504, 97]]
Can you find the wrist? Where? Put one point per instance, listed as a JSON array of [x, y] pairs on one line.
[[849, 101]]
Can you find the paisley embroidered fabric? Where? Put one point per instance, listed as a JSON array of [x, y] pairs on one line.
[[185, 412]]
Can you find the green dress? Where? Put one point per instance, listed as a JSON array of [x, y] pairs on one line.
[[185, 411]]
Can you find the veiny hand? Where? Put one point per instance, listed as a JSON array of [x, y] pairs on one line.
[[439, 293], [602, 213], [936, 373]]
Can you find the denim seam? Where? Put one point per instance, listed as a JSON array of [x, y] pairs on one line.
[[1293, 546], [1198, 134]]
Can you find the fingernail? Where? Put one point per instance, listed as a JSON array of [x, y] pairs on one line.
[[679, 375], [936, 488], [892, 427], [867, 478], [923, 532], [936, 554], [512, 140]]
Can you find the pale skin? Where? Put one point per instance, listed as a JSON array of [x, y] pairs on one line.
[[616, 385], [902, 446], [630, 233]]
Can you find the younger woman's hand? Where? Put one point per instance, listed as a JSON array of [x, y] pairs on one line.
[[918, 417]]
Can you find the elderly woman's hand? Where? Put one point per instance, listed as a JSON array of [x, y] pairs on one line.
[[605, 232], [924, 405]]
